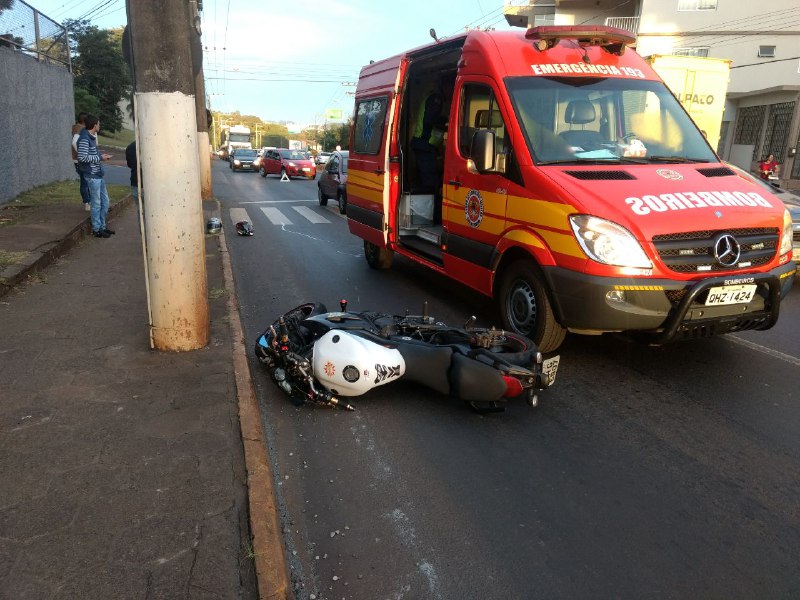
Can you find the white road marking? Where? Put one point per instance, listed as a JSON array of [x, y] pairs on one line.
[[310, 214], [792, 360], [239, 214], [275, 216], [274, 201]]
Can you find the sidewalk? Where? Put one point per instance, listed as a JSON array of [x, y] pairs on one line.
[[123, 469]]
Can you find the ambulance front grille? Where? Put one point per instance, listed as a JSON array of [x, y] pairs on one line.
[[693, 252], [675, 296], [601, 175]]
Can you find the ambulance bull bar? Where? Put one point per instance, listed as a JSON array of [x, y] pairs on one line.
[[768, 317], [582, 305]]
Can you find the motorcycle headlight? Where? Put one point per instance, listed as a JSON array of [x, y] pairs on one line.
[[608, 243], [786, 236]]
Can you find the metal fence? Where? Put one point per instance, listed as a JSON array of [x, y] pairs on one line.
[[25, 29]]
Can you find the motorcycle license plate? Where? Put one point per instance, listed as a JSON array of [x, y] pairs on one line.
[[550, 367], [730, 294]]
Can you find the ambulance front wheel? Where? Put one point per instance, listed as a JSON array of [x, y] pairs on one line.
[[525, 306], [378, 257]]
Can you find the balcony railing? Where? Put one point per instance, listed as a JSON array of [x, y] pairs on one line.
[[627, 23]]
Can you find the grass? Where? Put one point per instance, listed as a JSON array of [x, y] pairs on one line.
[[215, 293], [60, 193], [119, 139], [10, 258]]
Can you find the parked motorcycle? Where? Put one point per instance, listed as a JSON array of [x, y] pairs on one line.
[[324, 357]]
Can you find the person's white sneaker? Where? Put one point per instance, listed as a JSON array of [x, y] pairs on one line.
[[87, 207]]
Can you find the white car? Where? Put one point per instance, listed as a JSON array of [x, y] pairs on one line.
[[322, 158]]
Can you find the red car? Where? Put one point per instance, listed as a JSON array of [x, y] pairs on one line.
[[292, 163]]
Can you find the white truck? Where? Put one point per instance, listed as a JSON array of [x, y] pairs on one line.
[[233, 136]]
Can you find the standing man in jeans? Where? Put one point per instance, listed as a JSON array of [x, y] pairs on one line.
[[76, 134], [90, 164]]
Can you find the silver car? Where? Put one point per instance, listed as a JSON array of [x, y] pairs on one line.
[[790, 200]]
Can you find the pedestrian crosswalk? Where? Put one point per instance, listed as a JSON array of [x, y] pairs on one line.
[[287, 214]]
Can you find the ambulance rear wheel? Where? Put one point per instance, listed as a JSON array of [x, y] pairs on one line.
[[377, 257], [525, 307]]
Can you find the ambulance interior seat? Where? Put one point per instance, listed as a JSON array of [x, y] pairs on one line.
[[482, 120], [581, 112]]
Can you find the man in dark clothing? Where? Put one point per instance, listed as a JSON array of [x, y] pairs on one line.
[[90, 164], [133, 165], [76, 130]]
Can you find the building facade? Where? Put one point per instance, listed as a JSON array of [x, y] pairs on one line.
[[762, 112]]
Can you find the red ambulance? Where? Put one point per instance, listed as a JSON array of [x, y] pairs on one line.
[[552, 170]]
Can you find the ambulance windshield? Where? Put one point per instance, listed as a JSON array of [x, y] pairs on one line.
[[590, 119]]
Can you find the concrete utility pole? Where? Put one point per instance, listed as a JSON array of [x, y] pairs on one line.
[[204, 152], [166, 126]]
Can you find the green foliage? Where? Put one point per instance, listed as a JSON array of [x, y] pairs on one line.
[[101, 71], [76, 28], [85, 102], [335, 135], [11, 41]]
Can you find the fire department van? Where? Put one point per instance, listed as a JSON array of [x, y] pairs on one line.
[[552, 170]]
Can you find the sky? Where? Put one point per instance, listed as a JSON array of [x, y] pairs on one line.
[[290, 61]]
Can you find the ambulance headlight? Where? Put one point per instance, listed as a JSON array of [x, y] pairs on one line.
[[608, 243], [786, 237]]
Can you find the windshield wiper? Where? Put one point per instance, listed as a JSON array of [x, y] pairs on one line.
[[583, 161], [677, 159], [629, 160]]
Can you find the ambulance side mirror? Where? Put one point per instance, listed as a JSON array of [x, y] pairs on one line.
[[482, 150]]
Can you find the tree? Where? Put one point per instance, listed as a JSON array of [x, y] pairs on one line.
[[9, 39], [101, 71], [337, 134], [85, 102]]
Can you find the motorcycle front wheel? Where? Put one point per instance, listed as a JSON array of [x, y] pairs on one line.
[[292, 317]]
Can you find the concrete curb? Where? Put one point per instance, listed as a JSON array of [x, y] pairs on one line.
[[269, 558], [44, 256]]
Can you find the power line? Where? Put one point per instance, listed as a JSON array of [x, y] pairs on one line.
[[766, 62]]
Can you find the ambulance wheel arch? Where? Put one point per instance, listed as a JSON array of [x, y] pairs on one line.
[[524, 302]]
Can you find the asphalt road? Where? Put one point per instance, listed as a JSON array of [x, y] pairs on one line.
[[669, 472]]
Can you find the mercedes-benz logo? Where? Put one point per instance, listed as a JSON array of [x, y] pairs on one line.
[[727, 250]]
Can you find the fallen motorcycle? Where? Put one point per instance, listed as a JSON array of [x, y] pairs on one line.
[[323, 357]]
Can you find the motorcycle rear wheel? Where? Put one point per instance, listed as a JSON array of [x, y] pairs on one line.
[[509, 346]]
